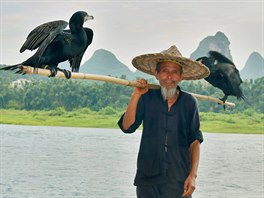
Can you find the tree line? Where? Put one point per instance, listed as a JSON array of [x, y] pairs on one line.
[[51, 93]]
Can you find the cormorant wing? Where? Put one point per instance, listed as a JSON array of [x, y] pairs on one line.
[[223, 74], [76, 61], [238, 76], [216, 78], [225, 64], [231, 79], [230, 70], [37, 36], [235, 82], [219, 57]]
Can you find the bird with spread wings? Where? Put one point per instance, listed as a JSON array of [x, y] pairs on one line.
[[54, 44]]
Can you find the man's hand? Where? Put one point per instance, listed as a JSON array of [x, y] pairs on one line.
[[141, 91], [189, 186]]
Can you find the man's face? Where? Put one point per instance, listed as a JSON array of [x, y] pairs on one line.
[[169, 75]]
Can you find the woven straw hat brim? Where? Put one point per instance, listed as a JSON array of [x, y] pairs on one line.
[[192, 70]]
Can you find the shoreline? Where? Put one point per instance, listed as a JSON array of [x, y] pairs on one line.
[[250, 123], [231, 133]]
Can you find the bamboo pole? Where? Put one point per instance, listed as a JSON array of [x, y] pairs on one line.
[[46, 72]]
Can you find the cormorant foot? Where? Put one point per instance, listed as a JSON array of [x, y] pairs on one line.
[[35, 69], [224, 100], [67, 73], [53, 72]]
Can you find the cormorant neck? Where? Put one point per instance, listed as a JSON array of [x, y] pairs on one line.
[[75, 27]]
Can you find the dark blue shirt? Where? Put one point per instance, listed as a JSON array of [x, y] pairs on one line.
[[164, 155]]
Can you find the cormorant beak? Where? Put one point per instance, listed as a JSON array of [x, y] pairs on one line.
[[200, 61], [88, 17]]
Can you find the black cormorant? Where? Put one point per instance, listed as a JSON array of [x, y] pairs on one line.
[[223, 74], [56, 45]]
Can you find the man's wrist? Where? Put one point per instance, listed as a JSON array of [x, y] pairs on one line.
[[193, 175]]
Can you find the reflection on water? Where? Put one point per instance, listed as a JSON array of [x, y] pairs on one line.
[[52, 162]]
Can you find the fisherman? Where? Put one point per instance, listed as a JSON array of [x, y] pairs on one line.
[[169, 151]]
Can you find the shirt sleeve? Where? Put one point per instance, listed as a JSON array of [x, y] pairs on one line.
[[138, 120], [195, 132]]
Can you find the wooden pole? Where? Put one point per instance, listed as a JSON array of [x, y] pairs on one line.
[[46, 72]]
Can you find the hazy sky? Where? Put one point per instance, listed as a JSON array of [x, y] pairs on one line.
[[129, 28]]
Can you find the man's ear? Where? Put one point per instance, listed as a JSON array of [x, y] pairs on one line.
[[181, 76], [156, 75]]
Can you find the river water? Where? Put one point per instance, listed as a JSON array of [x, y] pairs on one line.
[[53, 162]]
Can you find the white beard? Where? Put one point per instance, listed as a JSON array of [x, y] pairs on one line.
[[168, 93]]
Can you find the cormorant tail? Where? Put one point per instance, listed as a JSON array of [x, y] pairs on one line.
[[11, 67]]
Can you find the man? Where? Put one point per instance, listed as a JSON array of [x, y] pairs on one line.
[[169, 151]]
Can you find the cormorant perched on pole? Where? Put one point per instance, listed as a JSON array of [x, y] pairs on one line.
[[223, 74], [56, 45]]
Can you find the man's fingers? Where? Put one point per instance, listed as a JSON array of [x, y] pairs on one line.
[[143, 89], [185, 187], [188, 192], [142, 81]]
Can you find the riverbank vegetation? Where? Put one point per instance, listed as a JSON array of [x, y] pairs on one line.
[[36, 100], [248, 122]]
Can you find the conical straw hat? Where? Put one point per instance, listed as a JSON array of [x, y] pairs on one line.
[[192, 70]]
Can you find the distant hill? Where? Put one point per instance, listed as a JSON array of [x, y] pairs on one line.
[[104, 62], [219, 42], [150, 78], [254, 67]]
